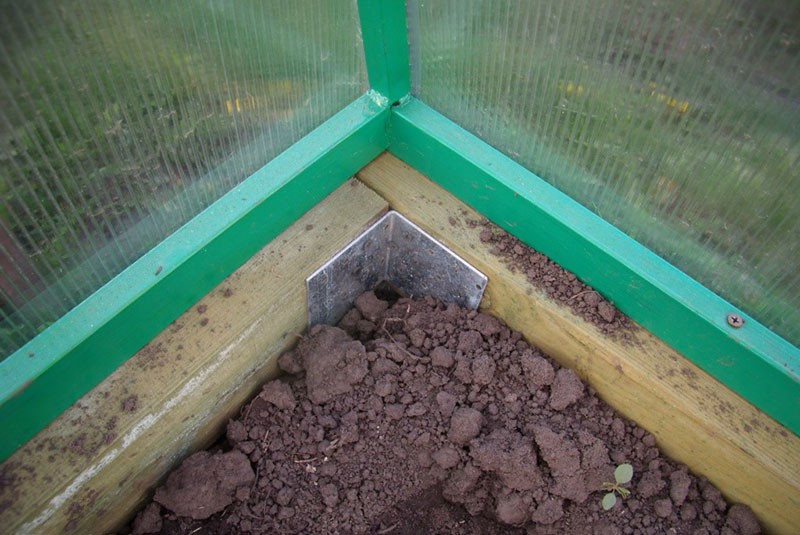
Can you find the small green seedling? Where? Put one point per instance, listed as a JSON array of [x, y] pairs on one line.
[[623, 474]]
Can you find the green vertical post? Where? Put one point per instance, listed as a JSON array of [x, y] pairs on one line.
[[383, 30]]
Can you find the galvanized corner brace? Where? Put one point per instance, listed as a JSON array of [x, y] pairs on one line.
[[396, 251]]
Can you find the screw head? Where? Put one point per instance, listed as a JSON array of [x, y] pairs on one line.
[[735, 320]]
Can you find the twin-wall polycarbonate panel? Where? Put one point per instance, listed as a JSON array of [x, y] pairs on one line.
[[678, 121], [121, 120]]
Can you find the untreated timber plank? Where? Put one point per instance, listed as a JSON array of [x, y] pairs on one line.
[[92, 467], [695, 419]]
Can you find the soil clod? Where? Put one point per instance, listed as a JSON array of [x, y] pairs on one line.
[[419, 417]]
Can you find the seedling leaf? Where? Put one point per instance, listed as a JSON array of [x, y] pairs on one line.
[[623, 474]]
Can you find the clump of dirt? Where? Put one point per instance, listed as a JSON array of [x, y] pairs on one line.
[[205, 484], [419, 417]]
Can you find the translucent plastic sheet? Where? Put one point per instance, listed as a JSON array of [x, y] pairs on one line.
[[121, 120], [678, 121]]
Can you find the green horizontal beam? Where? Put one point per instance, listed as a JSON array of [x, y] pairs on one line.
[[752, 360], [383, 30], [60, 365]]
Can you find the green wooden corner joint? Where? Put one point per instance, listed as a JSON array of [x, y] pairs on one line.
[[751, 360], [57, 367], [383, 29]]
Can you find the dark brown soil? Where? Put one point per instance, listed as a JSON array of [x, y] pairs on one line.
[[417, 417]]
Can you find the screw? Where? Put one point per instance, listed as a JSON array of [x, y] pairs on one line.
[[735, 320]]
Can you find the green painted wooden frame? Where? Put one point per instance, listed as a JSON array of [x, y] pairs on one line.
[[753, 361], [52, 371], [74, 354]]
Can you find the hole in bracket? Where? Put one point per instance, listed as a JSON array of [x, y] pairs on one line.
[[386, 291]]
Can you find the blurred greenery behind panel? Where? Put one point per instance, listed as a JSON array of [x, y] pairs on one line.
[[678, 121], [123, 119]]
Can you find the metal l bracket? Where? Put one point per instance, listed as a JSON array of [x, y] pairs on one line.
[[396, 251]]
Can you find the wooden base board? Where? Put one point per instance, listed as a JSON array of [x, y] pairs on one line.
[[93, 467], [695, 419]]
